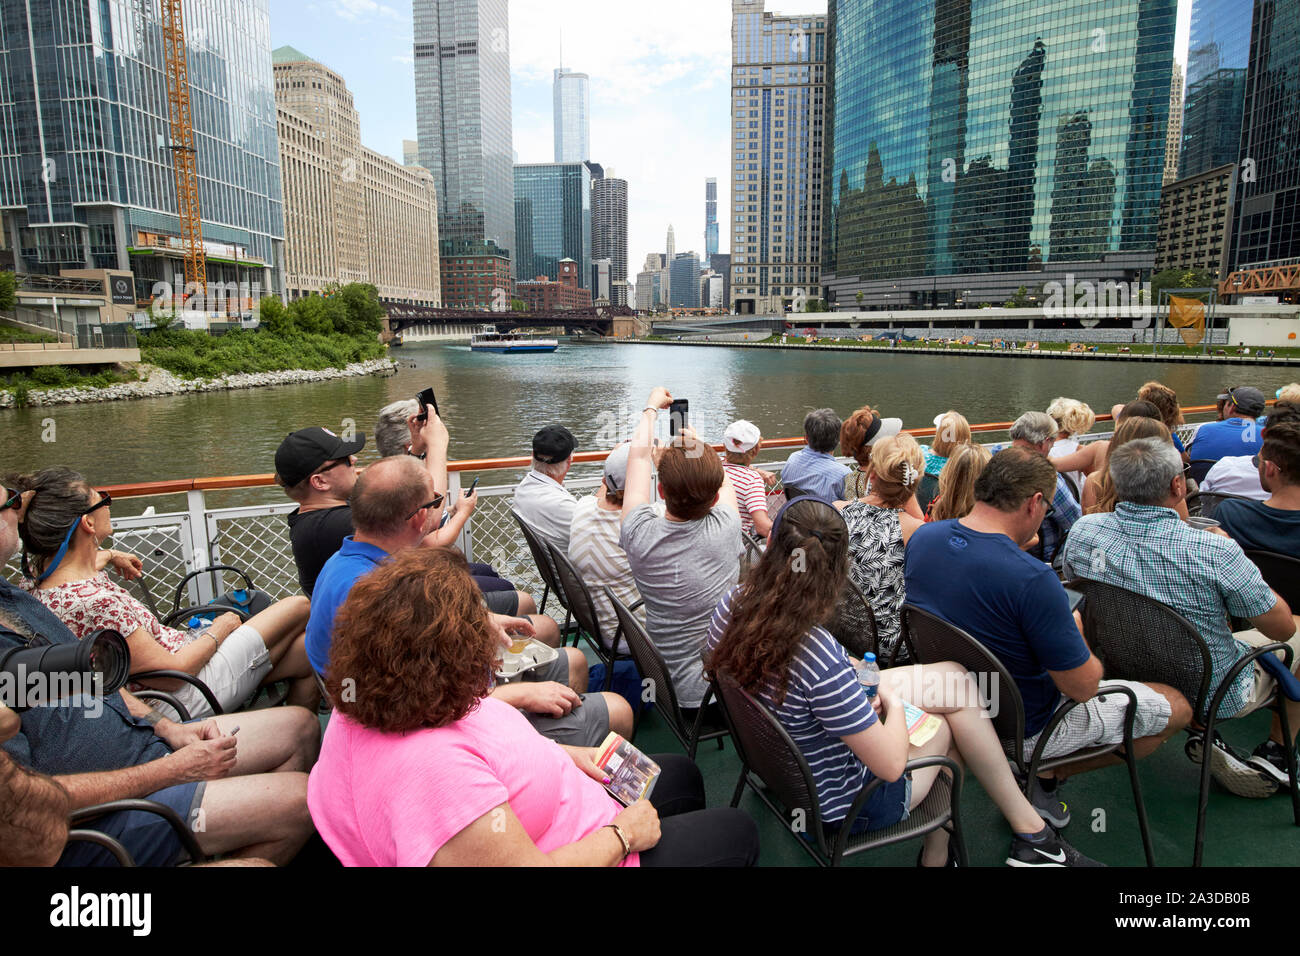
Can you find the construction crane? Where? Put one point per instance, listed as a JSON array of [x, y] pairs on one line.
[[184, 156]]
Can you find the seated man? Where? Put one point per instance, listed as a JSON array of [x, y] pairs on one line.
[[33, 808], [594, 545], [1273, 524], [540, 497], [392, 507], [1036, 431], [1239, 474], [972, 572], [244, 795], [1237, 434], [686, 559], [1143, 546], [813, 468]]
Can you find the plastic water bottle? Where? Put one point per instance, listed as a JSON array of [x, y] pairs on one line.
[[869, 674]]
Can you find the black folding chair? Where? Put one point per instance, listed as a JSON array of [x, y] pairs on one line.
[[81, 829], [934, 640], [1282, 573], [609, 648], [926, 490], [550, 578], [1139, 638], [1198, 468], [768, 754], [652, 667], [1203, 504], [853, 624]]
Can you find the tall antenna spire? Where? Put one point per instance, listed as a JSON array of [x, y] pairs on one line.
[[561, 49]]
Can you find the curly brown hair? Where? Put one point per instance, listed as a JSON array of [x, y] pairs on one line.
[[794, 587], [413, 641]]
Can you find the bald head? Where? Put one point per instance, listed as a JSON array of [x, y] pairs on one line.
[[386, 494]]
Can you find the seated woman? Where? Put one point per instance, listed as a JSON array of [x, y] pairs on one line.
[[1090, 458], [1099, 491], [769, 634], [421, 767], [951, 430], [878, 532], [956, 495], [1165, 399], [858, 434], [1073, 418], [65, 524]]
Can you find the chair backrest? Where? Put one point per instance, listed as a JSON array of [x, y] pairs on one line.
[[926, 490], [579, 603], [793, 491], [1198, 468], [853, 624], [651, 666], [1138, 638], [537, 546], [934, 640], [1205, 503], [1072, 485], [765, 747], [1282, 572]]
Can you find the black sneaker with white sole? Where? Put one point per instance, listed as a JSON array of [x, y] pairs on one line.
[[1050, 806], [1051, 849], [1270, 759], [1231, 769]]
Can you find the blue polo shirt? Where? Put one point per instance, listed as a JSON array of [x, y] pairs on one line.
[[1230, 438], [333, 585], [815, 472]]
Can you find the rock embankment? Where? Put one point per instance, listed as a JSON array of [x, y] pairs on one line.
[[156, 381]]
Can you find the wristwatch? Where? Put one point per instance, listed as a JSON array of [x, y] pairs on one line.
[[622, 838]]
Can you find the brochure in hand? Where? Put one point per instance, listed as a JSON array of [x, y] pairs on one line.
[[632, 775], [921, 726]]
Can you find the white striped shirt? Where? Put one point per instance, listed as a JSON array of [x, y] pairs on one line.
[[598, 557]]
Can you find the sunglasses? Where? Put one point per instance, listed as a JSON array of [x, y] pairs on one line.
[[333, 464], [13, 499], [1051, 509], [105, 501], [435, 503]]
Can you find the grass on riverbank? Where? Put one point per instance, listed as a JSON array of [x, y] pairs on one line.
[[18, 335], [190, 354], [61, 376]]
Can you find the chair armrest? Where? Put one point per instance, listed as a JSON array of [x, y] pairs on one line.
[[200, 609], [169, 699], [875, 783], [190, 679], [636, 604], [1130, 714], [179, 827], [104, 840], [1230, 678], [210, 569]]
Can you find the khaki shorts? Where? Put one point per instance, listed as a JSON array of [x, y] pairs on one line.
[[233, 674], [1264, 686]]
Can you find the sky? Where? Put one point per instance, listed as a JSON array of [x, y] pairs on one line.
[[660, 90]]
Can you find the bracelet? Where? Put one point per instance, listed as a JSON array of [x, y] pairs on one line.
[[213, 636], [649, 408], [622, 838]]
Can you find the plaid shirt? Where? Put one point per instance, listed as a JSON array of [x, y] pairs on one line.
[[1204, 577], [1065, 513]]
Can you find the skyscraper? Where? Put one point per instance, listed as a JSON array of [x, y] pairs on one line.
[[685, 281], [572, 110], [86, 180], [462, 110], [670, 244], [553, 219], [1174, 138], [1268, 197], [777, 91], [710, 217], [1027, 153], [609, 232], [1217, 55]]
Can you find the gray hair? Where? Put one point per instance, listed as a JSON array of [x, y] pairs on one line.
[[1144, 469], [821, 429], [1034, 427], [392, 435], [552, 469]]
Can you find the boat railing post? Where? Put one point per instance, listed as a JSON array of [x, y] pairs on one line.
[[197, 558], [465, 540]]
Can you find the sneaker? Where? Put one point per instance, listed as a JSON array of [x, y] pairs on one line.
[[1230, 768], [1270, 759], [1052, 850], [1050, 806]]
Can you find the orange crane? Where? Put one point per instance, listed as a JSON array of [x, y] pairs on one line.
[[185, 159]]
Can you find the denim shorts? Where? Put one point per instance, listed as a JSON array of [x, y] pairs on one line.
[[890, 804]]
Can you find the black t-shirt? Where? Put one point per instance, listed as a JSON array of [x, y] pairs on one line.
[[315, 536]]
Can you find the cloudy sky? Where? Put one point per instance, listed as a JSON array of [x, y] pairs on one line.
[[660, 96]]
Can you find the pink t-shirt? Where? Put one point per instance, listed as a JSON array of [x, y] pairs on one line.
[[381, 799], [751, 493]]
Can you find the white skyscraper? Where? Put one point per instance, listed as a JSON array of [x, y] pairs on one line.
[[572, 103]]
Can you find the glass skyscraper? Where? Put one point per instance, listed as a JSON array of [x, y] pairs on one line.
[[1268, 197], [1217, 55], [86, 178], [462, 111], [972, 148], [609, 232], [552, 219], [572, 107], [710, 217]]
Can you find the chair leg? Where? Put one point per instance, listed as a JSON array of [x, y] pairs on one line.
[[1140, 805], [1290, 758], [740, 787], [1203, 796]]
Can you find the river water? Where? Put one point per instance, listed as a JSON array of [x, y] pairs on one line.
[[493, 403]]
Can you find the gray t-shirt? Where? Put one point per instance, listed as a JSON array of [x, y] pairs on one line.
[[682, 569]]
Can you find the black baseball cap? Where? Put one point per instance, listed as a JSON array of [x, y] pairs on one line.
[[553, 444], [305, 450], [1247, 400]]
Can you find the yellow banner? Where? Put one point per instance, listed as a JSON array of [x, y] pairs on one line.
[[1188, 317]]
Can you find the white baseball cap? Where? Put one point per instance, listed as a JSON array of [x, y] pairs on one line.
[[616, 468], [740, 436]]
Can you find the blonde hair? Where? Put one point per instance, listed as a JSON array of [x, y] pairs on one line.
[[956, 495], [1072, 416], [894, 461], [1130, 429], [1165, 399], [1290, 393], [953, 430]]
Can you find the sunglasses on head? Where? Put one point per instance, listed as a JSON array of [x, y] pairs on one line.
[[436, 502]]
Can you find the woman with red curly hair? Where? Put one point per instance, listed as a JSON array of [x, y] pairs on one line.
[[420, 766]]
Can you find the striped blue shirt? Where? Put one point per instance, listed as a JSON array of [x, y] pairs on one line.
[[823, 704]]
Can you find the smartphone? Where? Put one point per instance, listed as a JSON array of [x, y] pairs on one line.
[[472, 485], [233, 731], [677, 417], [426, 399]]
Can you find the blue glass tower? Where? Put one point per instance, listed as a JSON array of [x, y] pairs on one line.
[[974, 148], [1217, 56], [552, 219]]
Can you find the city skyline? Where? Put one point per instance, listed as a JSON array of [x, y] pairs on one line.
[[633, 80]]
